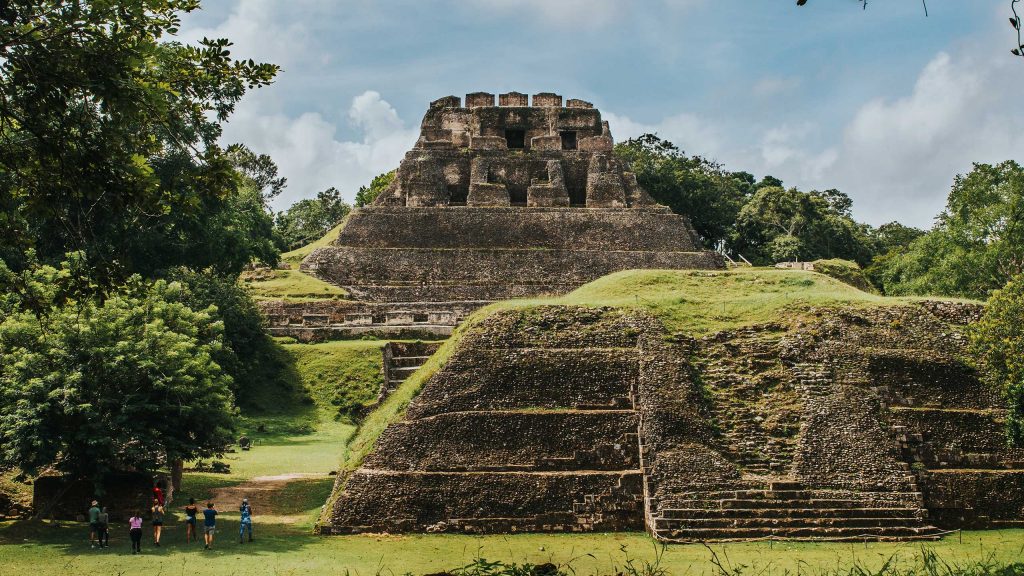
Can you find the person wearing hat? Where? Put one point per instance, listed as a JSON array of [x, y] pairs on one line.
[[94, 523], [245, 521]]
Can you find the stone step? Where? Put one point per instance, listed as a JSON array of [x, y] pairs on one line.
[[697, 513], [768, 503], [761, 523], [854, 533], [404, 370], [793, 494], [402, 361]]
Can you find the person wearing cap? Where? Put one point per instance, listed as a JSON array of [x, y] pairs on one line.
[[245, 522], [94, 523]]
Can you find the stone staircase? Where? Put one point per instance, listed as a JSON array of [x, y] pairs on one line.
[[401, 359], [747, 372], [789, 510]]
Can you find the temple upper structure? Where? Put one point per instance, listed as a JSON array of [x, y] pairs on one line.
[[502, 198], [514, 154]]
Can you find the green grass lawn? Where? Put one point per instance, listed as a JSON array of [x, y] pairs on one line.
[[287, 550]]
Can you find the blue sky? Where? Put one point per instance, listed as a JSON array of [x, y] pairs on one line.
[[885, 104]]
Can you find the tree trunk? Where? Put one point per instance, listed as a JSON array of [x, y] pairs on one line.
[[177, 467]]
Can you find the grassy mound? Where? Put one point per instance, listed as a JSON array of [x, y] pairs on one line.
[[845, 271], [694, 302], [289, 285]]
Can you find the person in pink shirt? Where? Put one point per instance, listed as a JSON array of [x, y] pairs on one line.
[[135, 532]]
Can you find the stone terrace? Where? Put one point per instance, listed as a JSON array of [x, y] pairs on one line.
[[570, 419]]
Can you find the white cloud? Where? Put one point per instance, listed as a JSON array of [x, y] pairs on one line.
[[899, 157], [260, 30], [783, 147], [895, 157], [311, 153], [690, 133], [775, 85], [587, 13]]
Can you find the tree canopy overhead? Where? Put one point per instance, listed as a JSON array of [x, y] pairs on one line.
[[98, 105]]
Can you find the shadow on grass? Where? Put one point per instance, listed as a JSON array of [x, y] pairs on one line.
[[71, 539]]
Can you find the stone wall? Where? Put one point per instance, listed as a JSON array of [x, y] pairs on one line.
[[318, 320], [387, 254]]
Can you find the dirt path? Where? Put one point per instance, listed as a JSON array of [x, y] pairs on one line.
[[264, 494]]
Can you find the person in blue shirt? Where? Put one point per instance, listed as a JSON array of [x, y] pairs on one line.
[[209, 524], [245, 520]]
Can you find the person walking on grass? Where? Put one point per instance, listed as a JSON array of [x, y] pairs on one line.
[[135, 532], [209, 524], [104, 521], [190, 520], [94, 523], [158, 521], [245, 520]]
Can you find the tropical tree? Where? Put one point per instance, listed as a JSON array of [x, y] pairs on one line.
[[367, 194], [97, 107], [977, 244], [780, 224], [690, 185], [998, 341], [90, 386], [311, 218]]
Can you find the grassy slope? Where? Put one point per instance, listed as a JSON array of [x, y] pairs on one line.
[[295, 256], [303, 433], [293, 284]]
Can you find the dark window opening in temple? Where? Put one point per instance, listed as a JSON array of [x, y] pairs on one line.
[[515, 139], [419, 318], [569, 140], [457, 194]]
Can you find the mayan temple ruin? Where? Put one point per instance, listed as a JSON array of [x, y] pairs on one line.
[[845, 423], [493, 202]]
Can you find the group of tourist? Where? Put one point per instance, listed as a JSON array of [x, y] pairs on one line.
[[99, 523]]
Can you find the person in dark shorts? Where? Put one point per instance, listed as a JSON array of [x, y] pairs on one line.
[[135, 532], [191, 511], [94, 523], [104, 522], [209, 524], [158, 521]]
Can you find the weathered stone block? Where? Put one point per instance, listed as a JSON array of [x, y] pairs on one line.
[[546, 142], [513, 99], [479, 99], [487, 143], [447, 102], [605, 188], [543, 99], [576, 103]]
